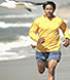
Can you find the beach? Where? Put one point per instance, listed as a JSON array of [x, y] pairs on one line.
[[17, 58], [26, 69]]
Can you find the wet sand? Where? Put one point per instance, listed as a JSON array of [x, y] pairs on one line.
[[26, 69]]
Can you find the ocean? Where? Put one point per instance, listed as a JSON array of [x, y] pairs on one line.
[[15, 42]]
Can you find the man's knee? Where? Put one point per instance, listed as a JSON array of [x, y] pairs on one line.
[[41, 70], [51, 67], [51, 71], [41, 67]]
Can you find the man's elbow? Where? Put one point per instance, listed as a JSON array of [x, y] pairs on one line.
[[30, 34]]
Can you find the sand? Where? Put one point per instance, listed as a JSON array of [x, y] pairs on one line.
[[26, 69]]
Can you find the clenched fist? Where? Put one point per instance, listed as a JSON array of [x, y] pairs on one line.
[[41, 40], [66, 42]]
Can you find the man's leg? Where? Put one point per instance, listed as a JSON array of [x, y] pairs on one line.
[[41, 66], [51, 69], [41, 61]]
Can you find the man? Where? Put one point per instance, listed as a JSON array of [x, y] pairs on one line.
[[48, 39]]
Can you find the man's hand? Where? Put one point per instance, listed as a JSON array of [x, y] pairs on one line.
[[41, 40], [66, 42], [33, 46]]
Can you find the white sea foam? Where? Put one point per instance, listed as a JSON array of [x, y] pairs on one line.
[[18, 16], [24, 41], [5, 56], [6, 25]]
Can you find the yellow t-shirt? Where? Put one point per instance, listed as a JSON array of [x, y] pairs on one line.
[[49, 30]]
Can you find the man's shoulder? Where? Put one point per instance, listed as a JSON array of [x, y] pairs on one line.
[[60, 19]]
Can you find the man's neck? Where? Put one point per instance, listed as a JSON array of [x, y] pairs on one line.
[[49, 17]]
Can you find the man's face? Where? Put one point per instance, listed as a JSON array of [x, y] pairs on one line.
[[49, 10]]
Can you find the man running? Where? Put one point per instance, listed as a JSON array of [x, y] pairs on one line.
[[48, 39]]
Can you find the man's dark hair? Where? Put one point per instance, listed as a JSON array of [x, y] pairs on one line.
[[49, 3]]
